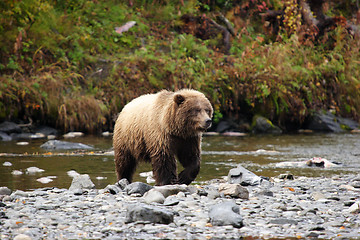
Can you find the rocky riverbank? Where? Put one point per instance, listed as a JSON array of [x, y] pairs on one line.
[[283, 207]]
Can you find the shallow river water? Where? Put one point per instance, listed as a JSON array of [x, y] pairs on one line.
[[257, 153]]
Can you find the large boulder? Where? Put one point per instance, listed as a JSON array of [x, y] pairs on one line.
[[263, 125], [328, 122], [9, 127], [46, 130]]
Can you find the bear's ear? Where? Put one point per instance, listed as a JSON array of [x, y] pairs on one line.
[[179, 99]]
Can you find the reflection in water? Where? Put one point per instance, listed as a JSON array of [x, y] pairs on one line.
[[256, 153]]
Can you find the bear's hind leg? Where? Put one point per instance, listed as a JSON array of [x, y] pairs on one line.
[[125, 166]]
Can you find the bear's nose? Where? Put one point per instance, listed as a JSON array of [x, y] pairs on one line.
[[208, 123]]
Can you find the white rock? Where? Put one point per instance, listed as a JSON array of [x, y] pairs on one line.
[[32, 170], [146, 174], [51, 137], [22, 143], [73, 173], [101, 178], [7, 164], [154, 196], [106, 134], [44, 180], [150, 179], [73, 134], [355, 208], [37, 136], [22, 237], [16, 172]]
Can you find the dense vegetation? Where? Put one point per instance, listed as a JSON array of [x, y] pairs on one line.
[[63, 64]]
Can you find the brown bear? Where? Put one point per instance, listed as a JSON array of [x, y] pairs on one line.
[[157, 128]]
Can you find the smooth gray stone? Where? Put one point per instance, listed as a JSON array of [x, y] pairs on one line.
[[148, 213], [63, 145], [226, 213], [137, 187]]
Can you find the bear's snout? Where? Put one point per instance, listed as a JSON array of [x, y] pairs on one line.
[[208, 123]]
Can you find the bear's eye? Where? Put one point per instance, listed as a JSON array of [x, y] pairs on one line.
[[196, 110], [208, 111]]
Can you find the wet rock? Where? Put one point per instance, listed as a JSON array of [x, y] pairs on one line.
[[148, 213], [226, 126], [243, 176], [4, 136], [137, 187], [73, 134], [33, 170], [234, 190], [106, 134], [27, 136], [5, 191], [44, 180], [328, 122], [46, 130], [81, 182], [16, 172], [72, 173], [226, 213], [9, 127], [263, 125], [153, 196], [7, 164], [63, 145]]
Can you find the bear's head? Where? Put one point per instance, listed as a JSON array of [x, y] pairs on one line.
[[193, 112]]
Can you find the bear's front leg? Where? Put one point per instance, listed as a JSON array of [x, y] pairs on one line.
[[189, 173], [189, 156], [164, 169]]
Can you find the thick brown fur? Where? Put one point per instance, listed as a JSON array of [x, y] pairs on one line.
[[159, 128]]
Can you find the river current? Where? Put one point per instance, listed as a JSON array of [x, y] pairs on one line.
[[258, 153]]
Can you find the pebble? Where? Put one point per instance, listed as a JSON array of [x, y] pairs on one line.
[[297, 209]]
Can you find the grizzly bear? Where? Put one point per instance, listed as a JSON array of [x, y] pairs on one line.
[[159, 128]]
